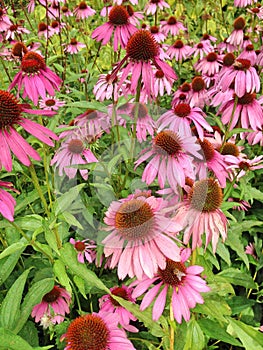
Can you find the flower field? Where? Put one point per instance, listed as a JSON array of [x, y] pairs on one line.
[[131, 186]]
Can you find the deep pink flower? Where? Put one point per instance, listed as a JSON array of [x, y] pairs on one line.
[[255, 137], [7, 202], [199, 96], [210, 64], [182, 95], [201, 49], [83, 11], [200, 213], [139, 62], [96, 331], [250, 250], [158, 36], [51, 103], [74, 46], [162, 84], [35, 78], [10, 140], [5, 22], [13, 30], [237, 36], [185, 282], [178, 50], [118, 23], [138, 241], [152, 6], [249, 53], [172, 26], [105, 89], [109, 304], [85, 249], [225, 47], [170, 159], [54, 304]]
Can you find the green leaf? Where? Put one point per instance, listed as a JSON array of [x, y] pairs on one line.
[[7, 265], [89, 105], [250, 338], [214, 306], [10, 308], [33, 297], [240, 303], [65, 201], [71, 220], [194, 336], [233, 241], [223, 252], [214, 330], [29, 222], [81, 285], [30, 332], [50, 237], [11, 341], [238, 278], [61, 274], [13, 248], [69, 257]]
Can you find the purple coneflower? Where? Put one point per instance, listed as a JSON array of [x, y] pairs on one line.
[[249, 53], [138, 242], [109, 304], [243, 3], [162, 84], [83, 11], [96, 331], [74, 46], [54, 304], [85, 249], [152, 6], [182, 95], [172, 26], [237, 36], [15, 29], [199, 96], [186, 285], [7, 202], [158, 36], [35, 78], [105, 89], [50, 103], [10, 140], [201, 49], [5, 22], [210, 64], [178, 50]]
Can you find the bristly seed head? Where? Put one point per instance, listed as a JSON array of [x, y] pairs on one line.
[[76, 146], [198, 84], [211, 57], [118, 15], [246, 99], [42, 27], [242, 64], [142, 46], [32, 62], [174, 273], [207, 149], [119, 292], [19, 49], [167, 143], [185, 87], [230, 148], [142, 110], [171, 20], [178, 44], [182, 110], [239, 23], [52, 296], [159, 74], [228, 59], [82, 5], [10, 110]]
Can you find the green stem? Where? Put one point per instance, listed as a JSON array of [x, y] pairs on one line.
[[230, 123], [171, 327], [193, 258], [38, 188], [250, 290]]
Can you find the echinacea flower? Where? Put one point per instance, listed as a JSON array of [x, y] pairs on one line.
[[10, 140], [243, 3], [210, 64], [200, 213], [7, 202], [138, 242], [50, 103], [178, 50], [250, 250], [35, 78], [15, 29], [242, 165], [162, 84], [170, 159], [141, 51], [83, 11], [98, 331], [119, 23], [201, 49], [105, 89], [199, 96], [85, 249], [179, 119], [109, 304], [152, 6], [172, 26], [74, 46], [249, 53], [237, 36], [54, 304], [186, 285], [182, 94], [5, 22]]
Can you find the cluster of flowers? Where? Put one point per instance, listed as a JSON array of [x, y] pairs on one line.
[[188, 159]]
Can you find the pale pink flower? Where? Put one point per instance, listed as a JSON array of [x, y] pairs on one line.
[[85, 249], [152, 6], [186, 285], [241, 205], [54, 304], [201, 49], [237, 36], [225, 47], [108, 304], [94, 122], [35, 78], [10, 140], [250, 250], [87, 331], [5, 22], [170, 159], [256, 11], [255, 137], [179, 119], [119, 24], [179, 51], [50, 103], [200, 213], [210, 64], [7, 202], [56, 27], [13, 30], [43, 30], [105, 89], [242, 165], [243, 3], [83, 11], [135, 17], [249, 54], [74, 46], [199, 96], [172, 26], [65, 11], [162, 84], [182, 95], [138, 242]]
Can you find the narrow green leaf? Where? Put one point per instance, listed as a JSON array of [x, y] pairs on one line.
[[89, 105], [30, 333], [238, 278], [50, 237], [10, 308], [81, 285], [11, 341], [250, 338], [233, 241], [33, 297], [194, 337], [214, 306], [223, 252], [65, 201], [13, 248], [71, 220], [7, 265], [240, 303], [61, 274], [69, 258], [215, 331]]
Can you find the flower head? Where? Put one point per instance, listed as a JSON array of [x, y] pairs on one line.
[[83, 11], [172, 26], [152, 6], [85, 249], [7, 202]]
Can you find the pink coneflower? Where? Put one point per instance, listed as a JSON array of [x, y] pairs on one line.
[[141, 51], [178, 50], [72, 152], [243, 3], [118, 23], [119, 2], [213, 161], [256, 11], [74, 46], [241, 204], [7, 202], [249, 54], [158, 36], [35, 78], [108, 304], [85, 249], [172, 26], [94, 122], [179, 119], [248, 112], [185, 282], [208, 38], [10, 140], [43, 30], [201, 49], [237, 36], [255, 137], [162, 84], [65, 11], [199, 96], [182, 95], [55, 27], [83, 11], [138, 241], [98, 331], [200, 213], [210, 64], [15, 29], [250, 250], [105, 89], [152, 6], [170, 159], [5, 22], [242, 165], [135, 17], [225, 47], [54, 304], [51, 103]]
